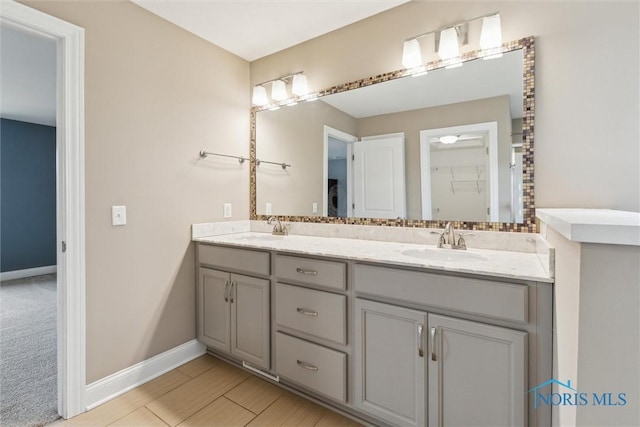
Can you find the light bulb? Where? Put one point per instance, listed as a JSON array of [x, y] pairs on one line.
[[279, 90], [491, 35], [411, 56], [259, 96], [448, 139], [448, 47], [299, 86]]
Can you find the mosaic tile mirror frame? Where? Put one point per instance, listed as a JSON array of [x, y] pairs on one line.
[[527, 225]]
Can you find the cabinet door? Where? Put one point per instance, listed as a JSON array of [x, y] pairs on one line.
[[213, 309], [389, 366], [250, 324], [477, 374]]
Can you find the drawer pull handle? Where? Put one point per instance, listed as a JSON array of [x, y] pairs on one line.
[[420, 349], [307, 312], [306, 365], [307, 272], [433, 344], [226, 291], [231, 291]]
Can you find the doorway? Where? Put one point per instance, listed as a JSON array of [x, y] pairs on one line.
[[337, 173], [70, 241], [459, 172]]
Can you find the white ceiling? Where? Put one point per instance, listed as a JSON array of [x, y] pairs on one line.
[[27, 77], [252, 29]]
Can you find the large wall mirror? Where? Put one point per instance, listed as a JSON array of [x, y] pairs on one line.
[[405, 149]]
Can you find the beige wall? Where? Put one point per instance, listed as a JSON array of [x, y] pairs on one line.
[[154, 95], [587, 90], [295, 135]]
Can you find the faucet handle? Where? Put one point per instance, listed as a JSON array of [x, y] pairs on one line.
[[461, 244]]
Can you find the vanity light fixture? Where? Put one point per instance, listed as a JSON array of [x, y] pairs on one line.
[[299, 88], [448, 41]]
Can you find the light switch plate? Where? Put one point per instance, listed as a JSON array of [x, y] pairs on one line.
[[118, 215], [315, 207], [227, 210], [268, 209]]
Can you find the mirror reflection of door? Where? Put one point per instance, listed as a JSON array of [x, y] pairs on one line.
[[379, 177], [459, 173], [337, 186]]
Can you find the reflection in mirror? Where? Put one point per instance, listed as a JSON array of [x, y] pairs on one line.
[[381, 151]]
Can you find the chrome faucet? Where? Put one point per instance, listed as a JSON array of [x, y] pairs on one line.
[[448, 238], [278, 228]]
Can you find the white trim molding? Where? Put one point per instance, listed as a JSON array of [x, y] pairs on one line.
[[28, 272], [116, 384], [70, 196]]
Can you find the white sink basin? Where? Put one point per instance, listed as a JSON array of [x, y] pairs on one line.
[[440, 254], [260, 238]]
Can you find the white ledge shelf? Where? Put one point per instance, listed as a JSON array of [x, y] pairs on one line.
[[605, 226]]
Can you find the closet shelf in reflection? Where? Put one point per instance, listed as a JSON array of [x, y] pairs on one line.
[[467, 185], [465, 170]]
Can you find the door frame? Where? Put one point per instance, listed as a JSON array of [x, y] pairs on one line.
[[70, 202], [425, 164], [348, 139]]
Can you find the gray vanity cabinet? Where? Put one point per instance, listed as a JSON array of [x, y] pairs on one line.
[[233, 315], [390, 364], [476, 374]]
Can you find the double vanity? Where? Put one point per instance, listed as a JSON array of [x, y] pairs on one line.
[[380, 323]]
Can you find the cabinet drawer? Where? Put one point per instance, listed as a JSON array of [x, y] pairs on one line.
[[475, 296], [313, 366], [318, 313], [330, 274], [254, 262]]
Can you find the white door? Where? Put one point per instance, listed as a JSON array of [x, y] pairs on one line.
[[378, 177]]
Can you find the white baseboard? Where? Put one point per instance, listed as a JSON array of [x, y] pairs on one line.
[[29, 272], [116, 384]]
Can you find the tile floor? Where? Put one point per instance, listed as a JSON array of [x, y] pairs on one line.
[[208, 392]]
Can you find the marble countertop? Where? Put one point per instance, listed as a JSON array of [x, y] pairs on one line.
[[506, 264], [603, 226]]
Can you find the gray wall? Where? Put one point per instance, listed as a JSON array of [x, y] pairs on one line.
[[28, 195]]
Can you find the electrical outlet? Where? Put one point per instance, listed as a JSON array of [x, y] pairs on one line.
[[315, 207], [268, 209], [227, 210], [118, 215]]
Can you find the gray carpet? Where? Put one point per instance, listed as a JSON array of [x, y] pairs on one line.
[[28, 368]]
